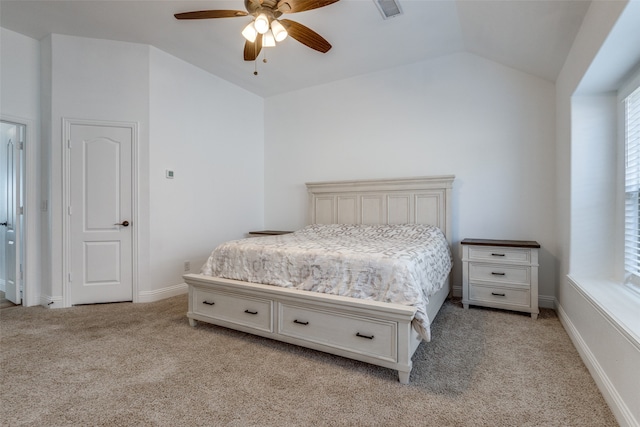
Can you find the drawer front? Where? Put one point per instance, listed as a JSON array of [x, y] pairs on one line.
[[233, 308], [357, 334], [500, 254], [496, 294], [500, 273]]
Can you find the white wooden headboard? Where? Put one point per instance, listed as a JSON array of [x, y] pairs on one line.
[[421, 200]]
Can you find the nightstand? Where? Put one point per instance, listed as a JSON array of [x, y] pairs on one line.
[[262, 233], [500, 274]]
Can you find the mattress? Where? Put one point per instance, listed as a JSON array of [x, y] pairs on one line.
[[402, 264]]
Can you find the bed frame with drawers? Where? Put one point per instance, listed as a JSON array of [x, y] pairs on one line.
[[370, 331]]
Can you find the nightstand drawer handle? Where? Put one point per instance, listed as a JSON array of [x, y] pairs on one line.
[[497, 254], [497, 294], [497, 274], [369, 337], [300, 323], [208, 303], [251, 312]]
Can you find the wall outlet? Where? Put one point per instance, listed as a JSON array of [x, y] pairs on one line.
[[187, 266]]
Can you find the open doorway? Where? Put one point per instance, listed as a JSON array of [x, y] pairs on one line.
[[12, 137]]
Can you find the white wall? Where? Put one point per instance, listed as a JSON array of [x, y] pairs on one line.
[[491, 126], [19, 75], [594, 162], [189, 121], [210, 133], [595, 28], [597, 314], [98, 80], [20, 102]]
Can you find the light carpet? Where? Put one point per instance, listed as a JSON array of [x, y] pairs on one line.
[[143, 365]]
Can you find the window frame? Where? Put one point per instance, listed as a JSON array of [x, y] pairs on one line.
[[630, 89]]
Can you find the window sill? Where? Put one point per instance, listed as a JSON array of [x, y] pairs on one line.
[[617, 302]]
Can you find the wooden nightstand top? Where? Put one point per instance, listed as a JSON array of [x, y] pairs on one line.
[[269, 232], [507, 243]]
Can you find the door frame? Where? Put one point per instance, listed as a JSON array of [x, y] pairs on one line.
[[67, 123], [28, 221]]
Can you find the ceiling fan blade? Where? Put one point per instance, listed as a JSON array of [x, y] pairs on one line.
[[293, 6], [208, 14], [306, 35], [252, 50]]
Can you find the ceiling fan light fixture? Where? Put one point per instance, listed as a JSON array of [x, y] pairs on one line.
[[250, 33], [279, 32], [268, 40], [261, 23]]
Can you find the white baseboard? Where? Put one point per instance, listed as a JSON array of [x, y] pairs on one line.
[[547, 301], [160, 294], [144, 296], [51, 302], [456, 291], [606, 387]]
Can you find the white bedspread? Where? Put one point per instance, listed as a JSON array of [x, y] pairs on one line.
[[403, 264]]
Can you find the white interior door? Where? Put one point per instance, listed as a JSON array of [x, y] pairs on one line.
[[100, 214], [12, 136]]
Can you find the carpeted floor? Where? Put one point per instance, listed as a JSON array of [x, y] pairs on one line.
[[142, 364], [5, 303]]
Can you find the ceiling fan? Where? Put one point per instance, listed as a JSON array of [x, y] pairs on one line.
[[266, 29]]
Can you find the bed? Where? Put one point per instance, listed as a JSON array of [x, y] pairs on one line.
[[357, 322]]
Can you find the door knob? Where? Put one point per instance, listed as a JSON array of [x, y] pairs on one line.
[[4, 223], [123, 223]]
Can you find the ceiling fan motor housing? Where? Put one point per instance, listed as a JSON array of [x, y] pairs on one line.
[[268, 7]]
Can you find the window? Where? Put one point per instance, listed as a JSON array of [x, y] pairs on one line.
[[632, 188]]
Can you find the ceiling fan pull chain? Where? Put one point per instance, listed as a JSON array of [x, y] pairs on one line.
[[255, 61]]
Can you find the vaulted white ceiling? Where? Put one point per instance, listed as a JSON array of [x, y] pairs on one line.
[[533, 36]]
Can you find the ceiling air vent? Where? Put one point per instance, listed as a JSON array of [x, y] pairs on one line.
[[388, 8]]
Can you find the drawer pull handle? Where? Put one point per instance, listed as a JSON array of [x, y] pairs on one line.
[[497, 294], [497, 274], [300, 323], [369, 337], [208, 303], [251, 312], [497, 254]]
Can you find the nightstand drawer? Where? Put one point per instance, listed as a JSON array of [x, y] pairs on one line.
[[499, 273], [500, 295], [238, 309], [499, 254]]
